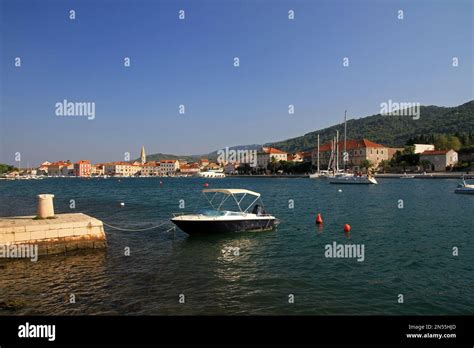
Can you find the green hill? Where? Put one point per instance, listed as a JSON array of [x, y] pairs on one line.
[[393, 131]]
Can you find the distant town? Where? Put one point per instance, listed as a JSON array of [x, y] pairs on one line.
[[360, 155]]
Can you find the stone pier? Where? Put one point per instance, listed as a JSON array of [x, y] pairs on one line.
[[57, 234]]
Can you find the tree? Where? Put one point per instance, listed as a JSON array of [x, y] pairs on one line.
[[404, 165], [272, 166], [409, 150], [244, 168], [366, 164], [441, 142], [411, 159], [384, 165], [6, 168], [287, 166], [453, 142]]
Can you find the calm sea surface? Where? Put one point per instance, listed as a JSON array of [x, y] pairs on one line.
[[407, 251]]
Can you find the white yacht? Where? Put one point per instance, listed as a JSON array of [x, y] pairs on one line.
[[211, 174]]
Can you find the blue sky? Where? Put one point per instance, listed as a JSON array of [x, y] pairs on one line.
[[190, 62]]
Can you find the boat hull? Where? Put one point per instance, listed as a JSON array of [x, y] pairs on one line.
[[465, 191], [193, 227], [353, 180]]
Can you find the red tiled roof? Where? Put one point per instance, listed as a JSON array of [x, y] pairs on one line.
[[83, 162], [369, 143], [273, 150], [351, 144], [434, 152], [60, 163], [152, 164], [117, 163]]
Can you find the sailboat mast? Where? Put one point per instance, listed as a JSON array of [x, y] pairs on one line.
[[337, 151], [318, 153], [331, 155], [345, 139]]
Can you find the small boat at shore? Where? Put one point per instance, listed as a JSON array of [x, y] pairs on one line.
[[353, 180], [211, 174], [217, 220], [465, 188]]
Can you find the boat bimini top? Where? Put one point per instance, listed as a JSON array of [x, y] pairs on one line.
[[234, 193]]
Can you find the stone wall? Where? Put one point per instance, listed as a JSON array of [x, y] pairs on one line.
[[62, 233]]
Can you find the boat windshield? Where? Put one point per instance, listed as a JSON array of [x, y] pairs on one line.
[[211, 212]]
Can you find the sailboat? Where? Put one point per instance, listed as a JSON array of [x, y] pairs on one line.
[[318, 172], [343, 177]]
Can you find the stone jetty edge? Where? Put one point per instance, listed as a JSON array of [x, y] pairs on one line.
[[59, 234]]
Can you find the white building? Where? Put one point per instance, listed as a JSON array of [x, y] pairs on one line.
[[440, 159], [121, 169], [231, 168], [60, 168], [265, 156], [43, 168], [189, 168], [151, 168], [420, 148], [169, 167]]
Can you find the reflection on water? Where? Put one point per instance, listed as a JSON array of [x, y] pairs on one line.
[[46, 286]]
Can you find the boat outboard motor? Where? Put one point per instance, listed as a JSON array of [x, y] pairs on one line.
[[255, 209], [258, 210]]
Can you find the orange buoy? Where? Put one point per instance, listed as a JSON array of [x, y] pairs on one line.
[[206, 184], [319, 219], [347, 228]]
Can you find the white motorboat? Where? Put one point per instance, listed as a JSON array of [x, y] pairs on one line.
[[406, 176], [218, 220], [211, 174], [354, 180], [465, 188]]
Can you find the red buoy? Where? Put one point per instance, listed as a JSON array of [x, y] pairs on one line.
[[319, 219], [206, 185], [347, 228]]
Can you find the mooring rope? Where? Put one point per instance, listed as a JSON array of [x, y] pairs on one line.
[[134, 229], [138, 229]]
